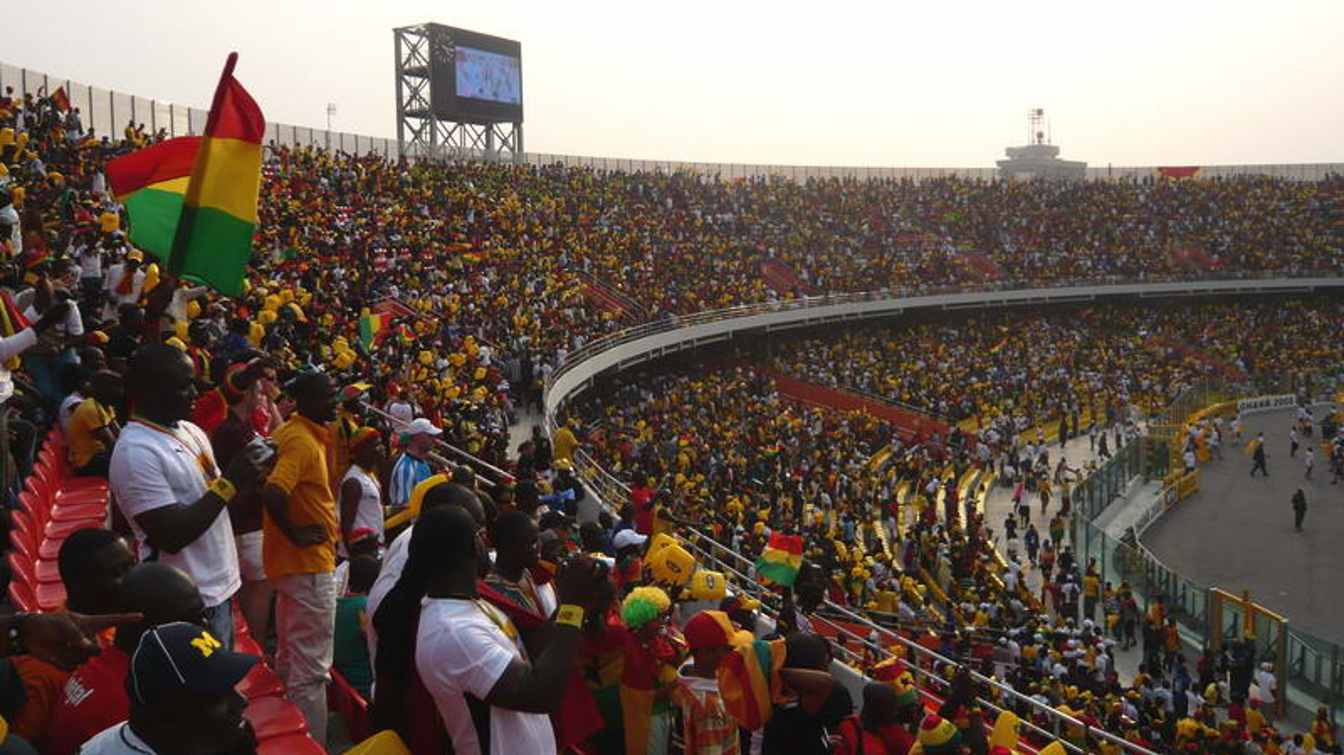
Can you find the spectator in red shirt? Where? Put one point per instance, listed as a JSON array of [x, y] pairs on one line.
[[877, 730], [94, 697], [641, 495]]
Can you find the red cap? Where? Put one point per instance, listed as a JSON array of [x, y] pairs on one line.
[[708, 629]]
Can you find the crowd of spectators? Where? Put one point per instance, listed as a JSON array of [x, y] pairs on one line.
[[1032, 367], [723, 450], [249, 444]]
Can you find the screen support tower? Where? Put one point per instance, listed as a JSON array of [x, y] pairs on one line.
[[424, 134]]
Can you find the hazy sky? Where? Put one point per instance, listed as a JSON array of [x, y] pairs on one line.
[[834, 83]]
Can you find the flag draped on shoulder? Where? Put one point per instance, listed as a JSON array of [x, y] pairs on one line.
[[750, 683], [151, 183], [213, 239]]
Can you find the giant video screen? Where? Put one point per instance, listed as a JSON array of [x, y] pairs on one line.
[[477, 77]]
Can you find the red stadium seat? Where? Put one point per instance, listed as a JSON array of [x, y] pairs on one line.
[[80, 506], [49, 458], [244, 643], [65, 512], [50, 549], [290, 744], [261, 681], [240, 626], [34, 506], [21, 570], [344, 699], [46, 571], [22, 597], [274, 717], [50, 596], [22, 542], [39, 486], [20, 518], [62, 530], [56, 471], [87, 486]]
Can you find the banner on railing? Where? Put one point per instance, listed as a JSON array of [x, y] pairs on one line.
[[1266, 403]]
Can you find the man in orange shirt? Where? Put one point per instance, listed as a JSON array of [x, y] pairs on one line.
[[299, 535]]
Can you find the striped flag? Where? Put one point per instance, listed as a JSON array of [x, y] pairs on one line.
[[781, 559], [213, 242], [151, 183], [370, 326], [749, 682]]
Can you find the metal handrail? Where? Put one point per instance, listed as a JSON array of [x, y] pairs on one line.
[[915, 650], [674, 322], [470, 458]]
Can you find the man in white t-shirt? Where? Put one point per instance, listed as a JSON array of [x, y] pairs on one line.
[[360, 496], [165, 481], [469, 654], [394, 560]]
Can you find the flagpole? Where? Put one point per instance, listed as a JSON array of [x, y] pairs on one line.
[[191, 199]]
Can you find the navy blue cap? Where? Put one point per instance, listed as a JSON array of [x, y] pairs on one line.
[[177, 657]]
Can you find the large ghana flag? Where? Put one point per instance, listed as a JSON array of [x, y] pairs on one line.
[[151, 182], [211, 239]]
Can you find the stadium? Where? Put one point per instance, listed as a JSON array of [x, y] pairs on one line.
[[434, 444]]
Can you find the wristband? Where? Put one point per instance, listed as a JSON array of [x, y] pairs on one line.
[[223, 488], [569, 616]]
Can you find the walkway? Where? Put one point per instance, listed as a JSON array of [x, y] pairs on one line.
[[999, 503], [522, 430], [1237, 531]]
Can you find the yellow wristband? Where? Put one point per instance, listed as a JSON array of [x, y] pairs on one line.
[[570, 616], [223, 488]]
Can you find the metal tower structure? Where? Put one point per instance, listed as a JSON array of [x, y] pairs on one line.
[[1037, 126], [424, 57]]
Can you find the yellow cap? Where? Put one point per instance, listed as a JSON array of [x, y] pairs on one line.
[[708, 585], [671, 565]]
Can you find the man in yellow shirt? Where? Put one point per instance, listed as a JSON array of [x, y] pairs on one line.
[[564, 443], [1091, 592], [93, 426], [299, 535]]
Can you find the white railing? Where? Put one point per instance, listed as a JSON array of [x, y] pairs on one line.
[[891, 301]]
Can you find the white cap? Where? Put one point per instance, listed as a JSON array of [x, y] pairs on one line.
[[422, 426], [627, 538]]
